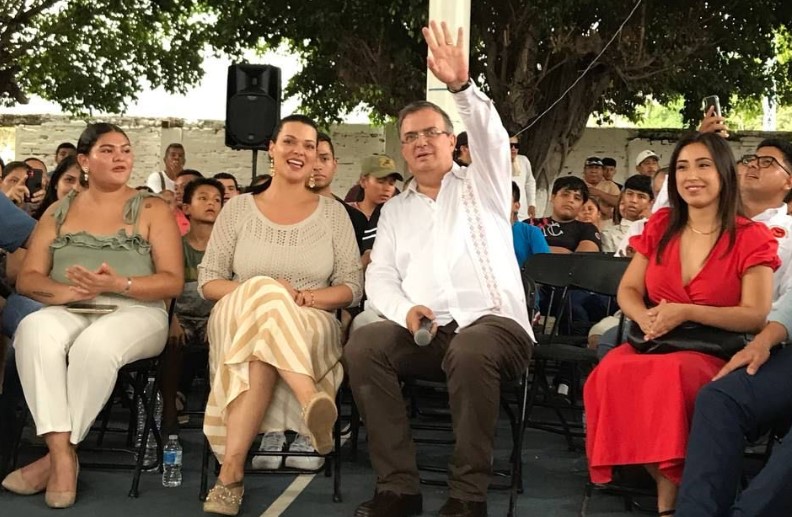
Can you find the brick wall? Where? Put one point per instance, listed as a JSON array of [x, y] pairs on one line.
[[39, 136], [35, 135]]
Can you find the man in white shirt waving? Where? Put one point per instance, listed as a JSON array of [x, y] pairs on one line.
[[444, 253]]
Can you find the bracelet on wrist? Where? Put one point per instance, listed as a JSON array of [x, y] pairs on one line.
[[464, 87], [313, 299], [128, 286]]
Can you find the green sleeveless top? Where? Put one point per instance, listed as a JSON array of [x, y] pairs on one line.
[[128, 255]]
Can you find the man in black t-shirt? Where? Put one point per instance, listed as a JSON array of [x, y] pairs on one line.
[[324, 172], [563, 232]]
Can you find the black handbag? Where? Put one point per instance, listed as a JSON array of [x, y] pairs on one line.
[[689, 336]]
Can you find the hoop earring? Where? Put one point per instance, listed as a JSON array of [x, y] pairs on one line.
[[311, 181]]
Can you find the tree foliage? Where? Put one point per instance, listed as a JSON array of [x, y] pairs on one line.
[[94, 55], [526, 55]]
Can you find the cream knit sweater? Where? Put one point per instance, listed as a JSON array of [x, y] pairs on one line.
[[318, 252]]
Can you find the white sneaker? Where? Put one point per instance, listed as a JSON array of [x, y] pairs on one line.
[[272, 442], [303, 444]]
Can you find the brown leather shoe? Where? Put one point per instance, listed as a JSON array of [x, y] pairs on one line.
[[390, 504], [459, 508]]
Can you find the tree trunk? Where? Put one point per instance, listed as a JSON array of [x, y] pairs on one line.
[[549, 140]]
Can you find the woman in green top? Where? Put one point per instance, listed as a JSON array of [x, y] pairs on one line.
[[109, 245]]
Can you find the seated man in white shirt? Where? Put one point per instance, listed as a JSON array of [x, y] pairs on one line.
[[443, 253]]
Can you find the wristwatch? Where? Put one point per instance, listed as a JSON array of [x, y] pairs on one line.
[[463, 88]]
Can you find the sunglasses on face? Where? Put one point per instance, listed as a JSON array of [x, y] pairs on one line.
[[514, 145]]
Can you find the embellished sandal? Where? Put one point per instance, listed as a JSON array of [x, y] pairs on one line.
[[319, 416], [224, 499]]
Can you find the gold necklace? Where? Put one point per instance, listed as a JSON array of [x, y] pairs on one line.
[[699, 232]]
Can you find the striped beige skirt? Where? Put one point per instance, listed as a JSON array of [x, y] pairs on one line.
[[259, 321]]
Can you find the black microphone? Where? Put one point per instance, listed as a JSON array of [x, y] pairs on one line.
[[423, 336]]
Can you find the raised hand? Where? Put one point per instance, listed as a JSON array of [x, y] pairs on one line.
[[447, 58]]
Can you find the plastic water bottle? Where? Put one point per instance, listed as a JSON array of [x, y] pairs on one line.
[[172, 462], [150, 456]]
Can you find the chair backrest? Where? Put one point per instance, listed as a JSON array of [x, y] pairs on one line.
[[550, 274], [551, 269], [530, 293], [598, 273]]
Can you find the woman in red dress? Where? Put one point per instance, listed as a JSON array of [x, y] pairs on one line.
[[698, 261]]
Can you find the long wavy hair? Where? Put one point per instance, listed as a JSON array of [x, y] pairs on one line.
[[729, 204]]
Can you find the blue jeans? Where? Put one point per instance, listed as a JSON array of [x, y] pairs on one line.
[[728, 412], [608, 342], [16, 308]]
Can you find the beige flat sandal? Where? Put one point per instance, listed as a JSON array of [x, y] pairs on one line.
[[224, 499]]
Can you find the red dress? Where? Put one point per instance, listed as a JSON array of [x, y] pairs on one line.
[[639, 406]]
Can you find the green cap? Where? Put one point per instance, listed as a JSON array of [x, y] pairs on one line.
[[380, 166]]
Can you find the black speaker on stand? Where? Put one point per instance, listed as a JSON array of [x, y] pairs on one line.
[[253, 101]]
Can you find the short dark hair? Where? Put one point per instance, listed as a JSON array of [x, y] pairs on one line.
[[65, 145], [190, 172], [227, 176], [640, 183], [192, 186], [782, 145], [416, 106], [174, 145], [324, 137], [608, 162], [12, 166], [462, 139], [91, 135], [515, 192], [573, 184]]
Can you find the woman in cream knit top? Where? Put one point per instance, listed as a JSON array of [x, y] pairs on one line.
[[315, 253], [279, 262]]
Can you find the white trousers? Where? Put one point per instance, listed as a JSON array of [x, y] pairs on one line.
[[68, 363]]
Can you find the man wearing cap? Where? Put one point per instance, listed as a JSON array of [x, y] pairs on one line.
[[378, 177], [604, 191], [636, 203], [609, 170], [461, 150], [647, 163]]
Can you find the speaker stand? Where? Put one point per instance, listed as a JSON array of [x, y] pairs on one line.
[[255, 162]]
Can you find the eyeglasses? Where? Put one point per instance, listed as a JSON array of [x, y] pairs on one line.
[[429, 133], [763, 162], [514, 145]]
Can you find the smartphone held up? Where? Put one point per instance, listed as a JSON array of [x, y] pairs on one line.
[[709, 102]]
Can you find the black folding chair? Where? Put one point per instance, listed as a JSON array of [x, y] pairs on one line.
[[559, 274]]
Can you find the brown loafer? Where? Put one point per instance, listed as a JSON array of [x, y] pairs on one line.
[[390, 504], [460, 508]]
